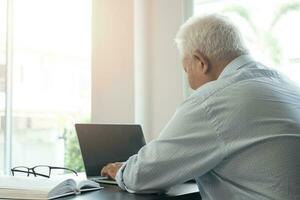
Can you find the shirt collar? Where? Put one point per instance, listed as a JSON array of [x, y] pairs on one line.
[[236, 64]]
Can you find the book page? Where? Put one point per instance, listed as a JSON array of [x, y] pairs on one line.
[[43, 188], [28, 183], [87, 185], [34, 188], [65, 187]]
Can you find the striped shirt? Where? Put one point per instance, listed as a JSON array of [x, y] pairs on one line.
[[238, 136]]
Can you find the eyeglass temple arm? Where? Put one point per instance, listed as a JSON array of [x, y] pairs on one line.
[[65, 169]]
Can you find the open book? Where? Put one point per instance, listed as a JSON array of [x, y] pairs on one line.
[[40, 188]]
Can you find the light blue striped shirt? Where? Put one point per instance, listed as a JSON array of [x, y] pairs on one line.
[[238, 136]]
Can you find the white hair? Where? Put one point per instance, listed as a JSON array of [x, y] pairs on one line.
[[213, 35]]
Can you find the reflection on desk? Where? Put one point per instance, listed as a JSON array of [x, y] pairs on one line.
[[113, 192]]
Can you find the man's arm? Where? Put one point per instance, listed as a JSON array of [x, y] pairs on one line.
[[188, 147]]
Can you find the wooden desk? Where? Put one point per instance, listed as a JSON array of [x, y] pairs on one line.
[[184, 191]]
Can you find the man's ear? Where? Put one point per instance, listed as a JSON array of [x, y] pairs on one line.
[[201, 61]]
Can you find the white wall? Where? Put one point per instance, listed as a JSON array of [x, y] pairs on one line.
[[158, 83], [166, 75], [112, 62]]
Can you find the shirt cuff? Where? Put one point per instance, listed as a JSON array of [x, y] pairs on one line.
[[119, 178]]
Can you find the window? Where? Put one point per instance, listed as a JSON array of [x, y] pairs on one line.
[[269, 28], [50, 80], [3, 21]]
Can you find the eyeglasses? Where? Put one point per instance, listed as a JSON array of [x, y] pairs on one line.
[[39, 170]]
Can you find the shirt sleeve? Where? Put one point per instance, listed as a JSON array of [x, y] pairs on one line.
[[188, 147]]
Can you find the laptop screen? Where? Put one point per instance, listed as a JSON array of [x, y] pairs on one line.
[[101, 144]]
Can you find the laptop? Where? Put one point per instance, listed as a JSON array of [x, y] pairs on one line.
[[101, 144]]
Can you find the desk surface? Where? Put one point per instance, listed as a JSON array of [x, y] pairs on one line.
[[112, 192]]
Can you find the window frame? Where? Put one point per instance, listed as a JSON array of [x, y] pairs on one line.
[[8, 90]]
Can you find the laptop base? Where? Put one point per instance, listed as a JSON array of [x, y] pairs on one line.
[[103, 179]]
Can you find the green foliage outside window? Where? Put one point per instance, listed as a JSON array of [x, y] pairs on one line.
[[73, 158]]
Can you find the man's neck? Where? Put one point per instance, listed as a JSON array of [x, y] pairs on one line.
[[219, 66]]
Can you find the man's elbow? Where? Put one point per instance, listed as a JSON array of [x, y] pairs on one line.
[[133, 185], [139, 185]]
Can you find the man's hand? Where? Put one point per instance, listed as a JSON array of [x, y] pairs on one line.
[[111, 169]]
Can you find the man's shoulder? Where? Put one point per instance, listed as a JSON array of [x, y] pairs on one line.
[[241, 82]]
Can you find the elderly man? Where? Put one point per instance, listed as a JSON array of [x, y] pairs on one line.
[[238, 135]]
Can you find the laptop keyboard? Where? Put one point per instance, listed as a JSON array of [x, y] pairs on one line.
[[100, 178], [104, 179]]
